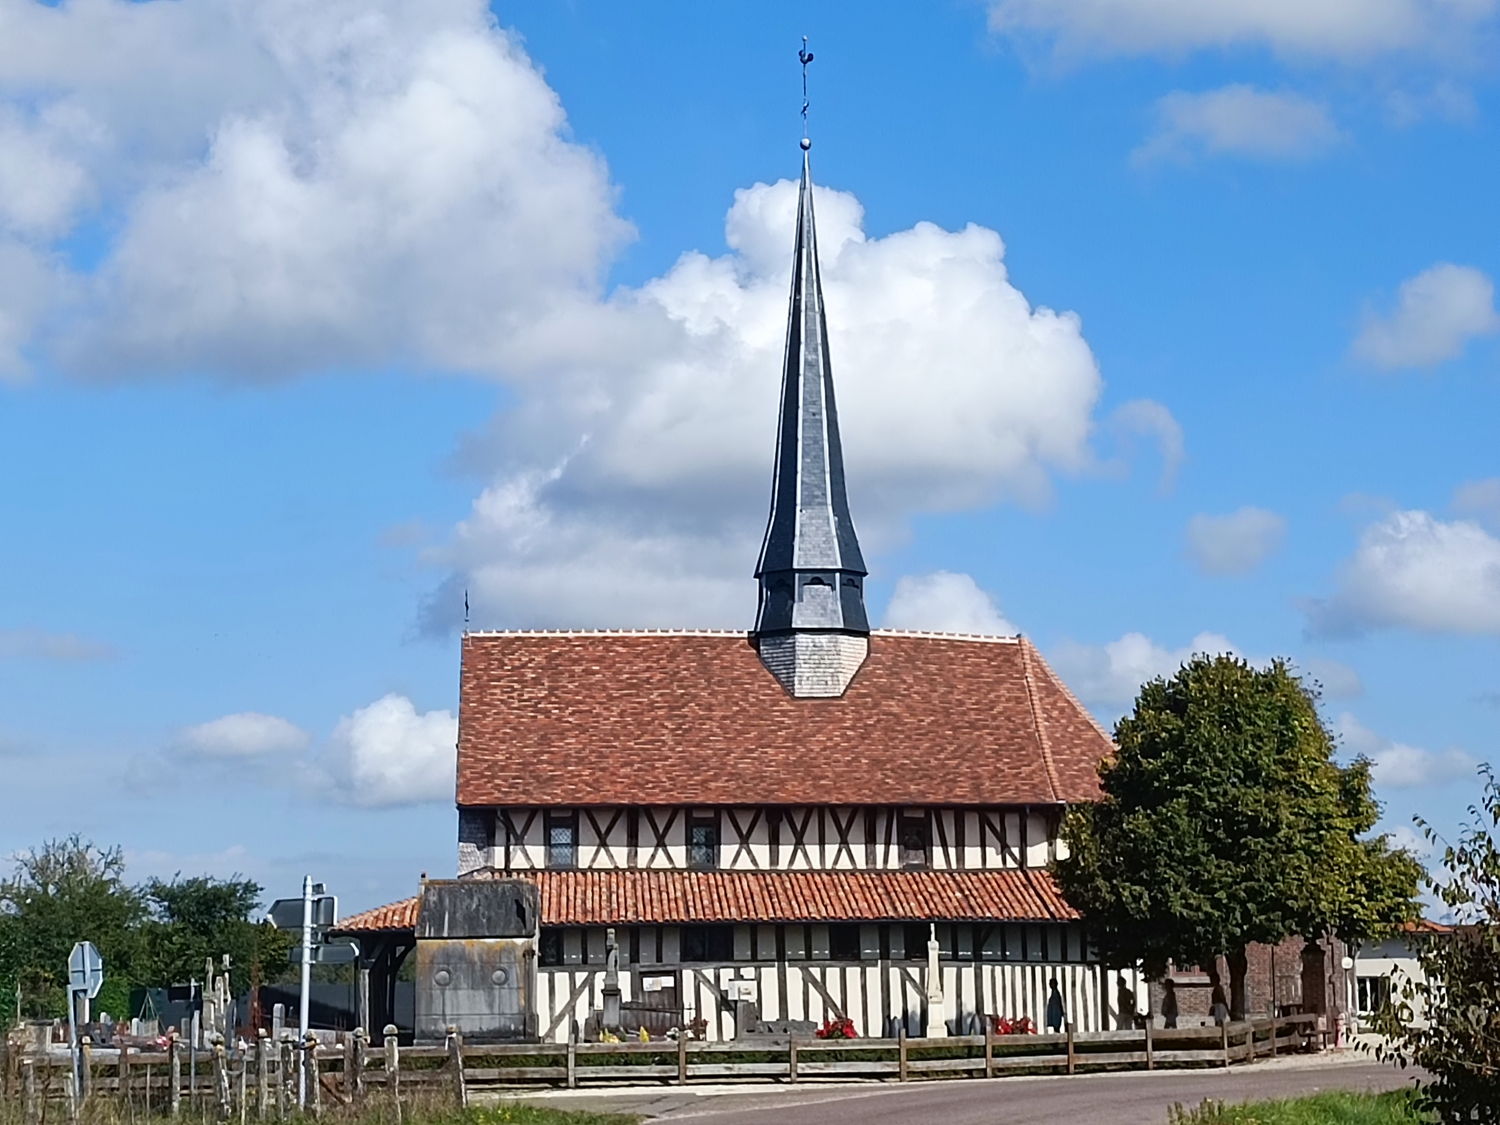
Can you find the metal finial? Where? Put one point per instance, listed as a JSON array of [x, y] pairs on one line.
[[805, 56]]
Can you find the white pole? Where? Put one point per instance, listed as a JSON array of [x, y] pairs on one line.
[[937, 1026], [307, 920]]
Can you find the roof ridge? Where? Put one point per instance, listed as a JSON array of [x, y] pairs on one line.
[[938, 635], [1061, 686], [1036, 721], [606, 633]]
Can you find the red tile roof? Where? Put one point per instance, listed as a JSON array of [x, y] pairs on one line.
[[693, 718], [626, 897]]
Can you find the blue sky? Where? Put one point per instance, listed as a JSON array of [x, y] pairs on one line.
[[314, 315]]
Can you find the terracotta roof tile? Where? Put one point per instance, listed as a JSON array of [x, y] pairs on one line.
[[643, 897], [693, 718]]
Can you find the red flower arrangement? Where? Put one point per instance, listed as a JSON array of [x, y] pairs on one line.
[[1021, 1026], [837, 1029]]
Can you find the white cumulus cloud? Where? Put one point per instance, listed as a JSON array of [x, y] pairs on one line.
[[1396, 765], [1238, 120], [1112, 673], [1345, 30], [635, 485], [1437, 313], [389, 753], [1234, 543], [1415, 571], [248, 734], [944, 602]]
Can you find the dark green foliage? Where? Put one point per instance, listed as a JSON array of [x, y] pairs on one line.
[[1225, 820], [1459, 1045], [1396, 1108], [156, 934]]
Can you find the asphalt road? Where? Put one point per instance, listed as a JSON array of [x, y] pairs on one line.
[[1104, 1099]]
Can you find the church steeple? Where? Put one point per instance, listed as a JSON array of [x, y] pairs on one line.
[[811, 627]]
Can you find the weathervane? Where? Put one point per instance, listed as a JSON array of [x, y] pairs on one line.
[[806, 57]]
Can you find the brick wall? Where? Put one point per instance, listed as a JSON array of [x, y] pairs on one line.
[[1290, 976]]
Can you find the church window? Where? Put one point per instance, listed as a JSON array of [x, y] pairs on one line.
[[703, 842], [916, 842], [708, 943], [562, 841], [551, 951], [843, 941]]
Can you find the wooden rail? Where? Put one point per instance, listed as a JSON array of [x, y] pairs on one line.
[[270, 1080]]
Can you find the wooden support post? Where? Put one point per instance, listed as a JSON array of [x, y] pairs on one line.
[[1275, 1030], [286, 1072], [28, 1089], [572, 1063], [174, 1078], [85, 1069], [456, 1060], [357, 1065], [393, 1067], [989, 1047], [1150, 1052], [791, 1058], [244, 1084], [221, 1081], [901, 1053], [682, 1042], [312, 1080], [262, 1074], [124, 1073], [1224, 1031], [1072, 1054], [1250, 1039], [347, 1041]]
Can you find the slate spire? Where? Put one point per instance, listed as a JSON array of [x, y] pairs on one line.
[[811, 570]]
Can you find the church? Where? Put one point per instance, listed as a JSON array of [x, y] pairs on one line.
[[803, 822]]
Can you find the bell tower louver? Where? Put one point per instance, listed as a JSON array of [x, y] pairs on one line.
[[811, 627]]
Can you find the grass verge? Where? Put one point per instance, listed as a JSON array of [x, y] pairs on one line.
[[1395, 1108]]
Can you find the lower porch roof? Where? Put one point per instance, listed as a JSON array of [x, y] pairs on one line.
[[623, 897]]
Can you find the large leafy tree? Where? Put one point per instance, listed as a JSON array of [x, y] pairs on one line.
[[1225, 820], [1458, 995], [199, 918], [65, 891], [156, 934]]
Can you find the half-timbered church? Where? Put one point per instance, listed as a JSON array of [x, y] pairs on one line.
[[804, 821]]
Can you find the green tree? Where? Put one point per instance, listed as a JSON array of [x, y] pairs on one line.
[[1458, 1039], [67, 890], [1224, 821], [198, 918]]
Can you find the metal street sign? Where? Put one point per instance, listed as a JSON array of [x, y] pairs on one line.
[[85, 969], [286, 913], [334, 953]]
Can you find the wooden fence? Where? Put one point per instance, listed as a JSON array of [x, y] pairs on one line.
[[265, 1080]]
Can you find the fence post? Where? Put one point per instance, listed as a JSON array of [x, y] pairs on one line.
[[1072, 1054], [285, 1074], [347, 1042], [456, 1059], [28, 1088], [682, 1042], [393, 1067], [174, 1074], [572, 1063], [1275, 1030], [989, 1047], [357, 1091], [85, 1068], [221, 1080], [1250, 1039], [312, 1082], [262, 1074], [1224, 1031], [791, 1058], [1150, 1054], [244, 1083], [901, 1053]]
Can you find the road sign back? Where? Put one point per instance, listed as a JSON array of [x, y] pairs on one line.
[[85, 969]]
